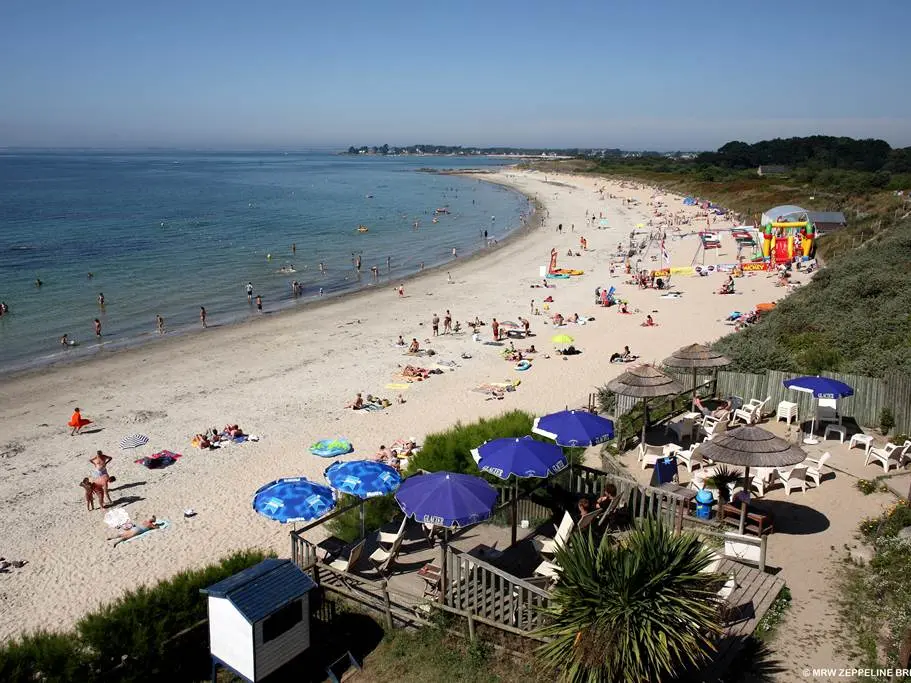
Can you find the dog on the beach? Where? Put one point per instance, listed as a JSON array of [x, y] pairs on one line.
[[92, 491]]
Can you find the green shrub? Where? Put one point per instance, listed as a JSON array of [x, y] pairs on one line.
[[134, 632], [886, 420], [866, 487], [44, 656], [450, 451]]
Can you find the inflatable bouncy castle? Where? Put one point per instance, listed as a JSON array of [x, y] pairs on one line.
[[787, 232]]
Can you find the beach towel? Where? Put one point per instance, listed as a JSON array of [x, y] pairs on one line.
[[331, 448], [398, 386], [159, 460], [371, 408], [162, 524]]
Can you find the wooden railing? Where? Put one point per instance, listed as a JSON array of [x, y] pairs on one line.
[[641, 500], [492, 595]]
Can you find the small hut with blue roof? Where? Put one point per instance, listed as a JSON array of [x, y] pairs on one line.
[[259, 619]]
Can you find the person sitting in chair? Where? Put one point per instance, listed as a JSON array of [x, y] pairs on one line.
[[718, 413]]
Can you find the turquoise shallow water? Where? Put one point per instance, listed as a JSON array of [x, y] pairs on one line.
[[168, 233]]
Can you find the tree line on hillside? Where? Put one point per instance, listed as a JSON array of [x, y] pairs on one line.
[[816, 151], [845, 165]]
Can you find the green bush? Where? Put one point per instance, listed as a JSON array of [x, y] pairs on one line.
[[886, 420], [131, 633], [450, 451], [44, 656]]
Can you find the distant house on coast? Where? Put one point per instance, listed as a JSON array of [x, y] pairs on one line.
[[827, 221], [772, 170]]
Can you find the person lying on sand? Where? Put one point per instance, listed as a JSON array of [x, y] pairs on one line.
[[137, 530], [531, 349], [357, 403], [233, 431]]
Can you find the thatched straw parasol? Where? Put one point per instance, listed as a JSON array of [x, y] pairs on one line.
[[645, 382], [696, 356], [748, 447]]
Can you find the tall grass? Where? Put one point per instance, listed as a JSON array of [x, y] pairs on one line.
[[133, 636]]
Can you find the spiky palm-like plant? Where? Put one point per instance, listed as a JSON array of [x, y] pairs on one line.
[[634, 611]]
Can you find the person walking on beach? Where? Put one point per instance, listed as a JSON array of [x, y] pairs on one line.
[[97, 328], [250, 291], [531, 308], [259, 303], [77, 422], [454, 254], [435, 324], [402, 290], [447, 323], [449, 277], [495, 329], [159, 323], [202, 315]]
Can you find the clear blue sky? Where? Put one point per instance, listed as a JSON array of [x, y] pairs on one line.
[[658, 74]]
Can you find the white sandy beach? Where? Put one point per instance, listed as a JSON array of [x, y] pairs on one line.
[[286, 378]]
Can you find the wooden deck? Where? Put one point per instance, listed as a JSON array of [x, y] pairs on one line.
[[485, 574], [754, 595]]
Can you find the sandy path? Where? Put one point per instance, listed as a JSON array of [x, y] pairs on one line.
[[286, 378]]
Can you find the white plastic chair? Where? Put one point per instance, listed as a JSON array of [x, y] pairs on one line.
[[892, 454], [714, 426], [751, 412], [761, 478], [562, 536], [692, 458], [814, 471], [649, 455], [793, 479]]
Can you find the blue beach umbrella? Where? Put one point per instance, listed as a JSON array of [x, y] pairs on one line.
[[523, 457], [574, 428], [293, 500], [363, 478], [820, 387], [446, 499]]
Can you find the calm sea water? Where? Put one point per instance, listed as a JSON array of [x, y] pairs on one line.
[[168, 233]]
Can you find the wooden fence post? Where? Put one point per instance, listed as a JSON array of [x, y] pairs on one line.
[[471, 634], [387, 604], [763, 543]]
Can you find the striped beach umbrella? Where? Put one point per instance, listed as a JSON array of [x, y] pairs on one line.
[[133, 441]]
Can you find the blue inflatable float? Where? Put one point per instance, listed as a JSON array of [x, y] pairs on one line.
[[523, 365], [331, 448]]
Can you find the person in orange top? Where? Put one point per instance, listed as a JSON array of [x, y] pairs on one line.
[[77, 422]]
